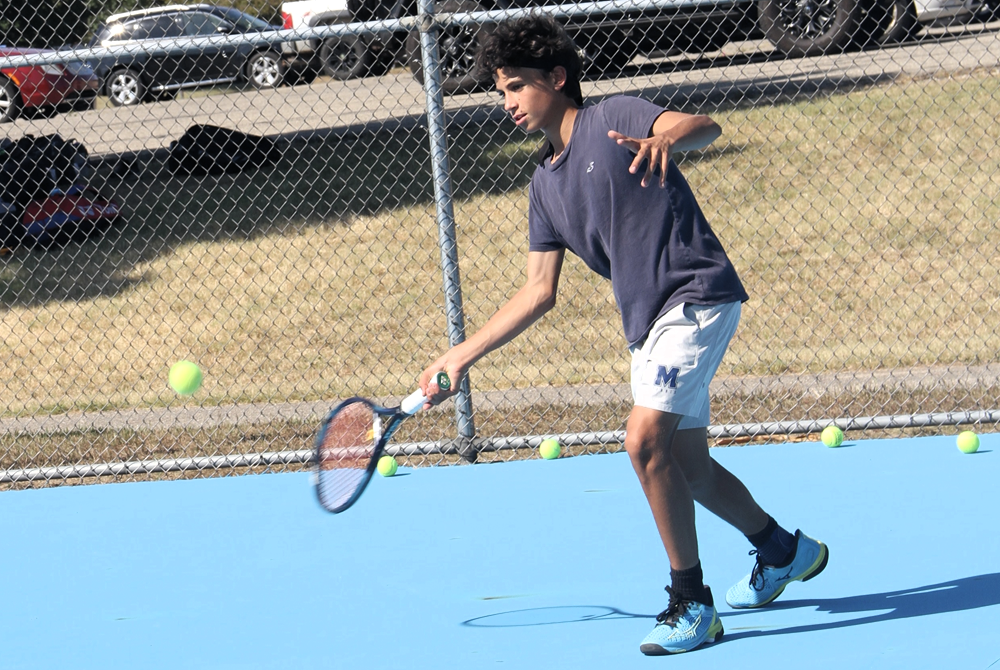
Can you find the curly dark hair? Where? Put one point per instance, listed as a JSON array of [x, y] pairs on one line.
[[536, 41]]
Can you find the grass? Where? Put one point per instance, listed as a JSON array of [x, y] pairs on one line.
[[861, 223]]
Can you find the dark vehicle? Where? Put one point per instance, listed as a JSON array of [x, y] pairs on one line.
[[137, 77], [610, 40], [72, 85]]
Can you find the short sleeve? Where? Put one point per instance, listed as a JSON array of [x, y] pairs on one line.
[[541, 235], [630, 116]]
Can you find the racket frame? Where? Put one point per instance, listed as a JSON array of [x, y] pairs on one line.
[[386, 420]]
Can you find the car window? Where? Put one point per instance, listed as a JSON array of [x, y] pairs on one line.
[[245, 22], [197, 23], [119, 32], [161, 26], [140, 30]]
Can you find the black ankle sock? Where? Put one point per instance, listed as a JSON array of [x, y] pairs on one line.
[[775, 545], [689, 585]]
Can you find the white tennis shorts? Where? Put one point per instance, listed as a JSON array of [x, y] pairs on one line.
[[672, 369]]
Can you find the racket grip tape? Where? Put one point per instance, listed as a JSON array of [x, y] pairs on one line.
[[414, 402]]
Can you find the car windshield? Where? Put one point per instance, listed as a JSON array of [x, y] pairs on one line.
[[245, 22]]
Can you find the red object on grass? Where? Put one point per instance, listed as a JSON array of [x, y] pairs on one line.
[[72, 215]]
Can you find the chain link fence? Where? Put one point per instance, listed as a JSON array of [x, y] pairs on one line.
[[302, 212]]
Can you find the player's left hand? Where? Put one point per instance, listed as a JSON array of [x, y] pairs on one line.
[[654, 151]]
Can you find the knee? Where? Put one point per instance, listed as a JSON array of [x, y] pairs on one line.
[[649, 440], [649, 453]]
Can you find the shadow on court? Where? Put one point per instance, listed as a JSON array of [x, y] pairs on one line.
[[957, 595], [548, 616], [954, 596]]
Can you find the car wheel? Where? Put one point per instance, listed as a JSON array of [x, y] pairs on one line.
[[902, 24], [346, 57], [264, 70], [810, 27], [457, 47], [990, 11], [10, 100], [124, 88]]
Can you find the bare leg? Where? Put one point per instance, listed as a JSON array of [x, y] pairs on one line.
[[648, 441], [714, 487]]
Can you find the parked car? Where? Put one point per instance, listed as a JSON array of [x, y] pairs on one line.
[[612, 39], [39, 86], [340, 57], [907, 17], [140, 76]]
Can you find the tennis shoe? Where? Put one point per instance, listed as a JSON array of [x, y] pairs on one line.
[[766, 582], [683, 626]]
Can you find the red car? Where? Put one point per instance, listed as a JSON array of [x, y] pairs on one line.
[[42, 86]]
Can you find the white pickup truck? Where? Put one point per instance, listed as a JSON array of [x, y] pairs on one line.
[[343, 58]]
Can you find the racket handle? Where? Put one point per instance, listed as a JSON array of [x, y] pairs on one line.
[[414, 402]]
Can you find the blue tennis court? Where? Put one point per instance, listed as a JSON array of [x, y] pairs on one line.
[[530, 564]]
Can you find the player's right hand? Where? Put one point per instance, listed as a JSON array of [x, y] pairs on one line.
[[429, 387]]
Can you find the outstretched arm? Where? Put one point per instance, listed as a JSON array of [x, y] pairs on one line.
[[671, 132], [535, 298]]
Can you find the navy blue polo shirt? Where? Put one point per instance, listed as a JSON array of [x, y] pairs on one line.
[[653, 243]]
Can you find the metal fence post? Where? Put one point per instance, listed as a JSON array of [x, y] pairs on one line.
[[437, 130]]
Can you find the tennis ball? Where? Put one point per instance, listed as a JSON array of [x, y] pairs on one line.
[[832, 436], [387, 466], [968, 442], [184, 377], [549, 448]]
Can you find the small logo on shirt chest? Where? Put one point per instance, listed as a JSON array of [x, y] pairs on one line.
[[590, 168]]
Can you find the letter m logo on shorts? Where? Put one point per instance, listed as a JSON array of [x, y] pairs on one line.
[[667, 378]]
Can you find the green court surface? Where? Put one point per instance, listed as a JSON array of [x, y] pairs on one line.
[[530, 564]]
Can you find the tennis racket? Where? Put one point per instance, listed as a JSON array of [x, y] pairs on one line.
[[352, 439]]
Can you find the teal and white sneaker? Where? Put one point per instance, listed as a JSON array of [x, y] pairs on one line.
[[683, 626], [766, 582]]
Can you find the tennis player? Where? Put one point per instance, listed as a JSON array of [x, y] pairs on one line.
[[607, 189]]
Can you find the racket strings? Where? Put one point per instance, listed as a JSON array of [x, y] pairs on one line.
[[345, 454]]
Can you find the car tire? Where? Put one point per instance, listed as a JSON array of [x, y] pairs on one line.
[[902, 23], [124, 88], [10, 100], [346, 57], [265, 70], [822, 28], [457, 47]]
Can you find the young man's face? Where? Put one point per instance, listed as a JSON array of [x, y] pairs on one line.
[[533, 97]]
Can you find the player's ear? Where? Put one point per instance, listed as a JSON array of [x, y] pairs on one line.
[[558, 77]]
